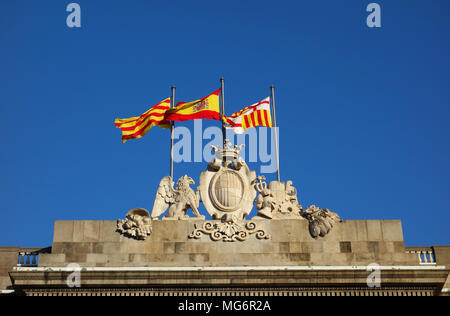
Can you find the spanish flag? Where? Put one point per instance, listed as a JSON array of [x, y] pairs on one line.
[[204, 108], [136, 127], [257, 114]]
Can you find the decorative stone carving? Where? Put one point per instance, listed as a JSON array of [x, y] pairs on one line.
[[320, 220], [180, 199], [278, 201], [228, 189], [226, 186], [137, 224], [230, 230]]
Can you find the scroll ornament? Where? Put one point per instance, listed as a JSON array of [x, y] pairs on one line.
[[230, 230]]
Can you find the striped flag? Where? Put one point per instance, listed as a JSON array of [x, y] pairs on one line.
[[136, 127], [257, 114], [204, 108]]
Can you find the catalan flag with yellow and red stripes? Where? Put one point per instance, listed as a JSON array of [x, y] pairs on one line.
[[136, 127], [257, 114]]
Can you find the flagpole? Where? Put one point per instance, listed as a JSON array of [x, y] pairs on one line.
[[222, 114], [275, 133], [172, 125]]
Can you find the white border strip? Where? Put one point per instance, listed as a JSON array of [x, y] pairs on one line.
[[6, 291], [236, 268]]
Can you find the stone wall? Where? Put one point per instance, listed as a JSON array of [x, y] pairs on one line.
[[8, 260], [442, 254], [350, 243]]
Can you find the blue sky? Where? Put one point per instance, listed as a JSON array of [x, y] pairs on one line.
[[363, 112]]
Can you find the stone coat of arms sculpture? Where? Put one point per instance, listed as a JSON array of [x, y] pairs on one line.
[[228, 190], [228, 194], [226, 186]]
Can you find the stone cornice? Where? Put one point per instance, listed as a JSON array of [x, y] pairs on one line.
[[144, 278]]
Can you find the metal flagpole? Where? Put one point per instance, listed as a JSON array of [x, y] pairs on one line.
[[222, 114], [274, 125], [172, 125]]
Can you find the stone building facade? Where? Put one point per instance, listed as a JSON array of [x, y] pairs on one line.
[[283, 250], [357, 258]]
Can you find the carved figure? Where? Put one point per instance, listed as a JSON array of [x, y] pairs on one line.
[[227, 156], [136, 224], [320, 220], [279, 200], [180, 199]]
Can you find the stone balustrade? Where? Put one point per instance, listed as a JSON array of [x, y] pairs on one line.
[[425, 255], [29, 257]]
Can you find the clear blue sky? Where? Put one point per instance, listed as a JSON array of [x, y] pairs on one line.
[[363, 113]]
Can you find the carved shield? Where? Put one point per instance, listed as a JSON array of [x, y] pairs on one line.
[[226, 190]]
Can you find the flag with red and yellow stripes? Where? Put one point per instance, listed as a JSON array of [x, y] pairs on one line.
[[136, 127], [204, 108], [257, 114]]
